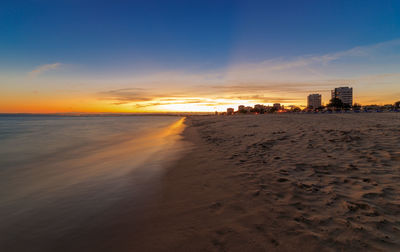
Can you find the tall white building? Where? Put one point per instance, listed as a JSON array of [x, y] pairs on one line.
[[314, 101], [343, 93]]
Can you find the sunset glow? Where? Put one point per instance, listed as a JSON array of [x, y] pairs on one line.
[[116, 66], [199, 125]]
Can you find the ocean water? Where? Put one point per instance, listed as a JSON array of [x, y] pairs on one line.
[[63, 177]]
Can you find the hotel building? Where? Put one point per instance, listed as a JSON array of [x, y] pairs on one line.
[[345, 94], [314, 101]]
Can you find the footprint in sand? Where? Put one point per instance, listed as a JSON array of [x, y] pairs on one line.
[[282, 180], [216, 206]]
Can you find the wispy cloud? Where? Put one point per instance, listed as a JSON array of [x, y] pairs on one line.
[[215, 96], [285, 80], [44, 68], [134, 95], [354, 61], [124, 95], [281, 73]]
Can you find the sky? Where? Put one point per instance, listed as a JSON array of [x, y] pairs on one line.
[[168, 56]]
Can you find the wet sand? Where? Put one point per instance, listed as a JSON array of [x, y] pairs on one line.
[[84, 185], [284, 182]]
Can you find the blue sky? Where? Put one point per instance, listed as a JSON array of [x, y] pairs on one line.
[[123, 32], [111, 45]]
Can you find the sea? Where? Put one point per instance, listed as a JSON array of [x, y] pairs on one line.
[[65, 181]]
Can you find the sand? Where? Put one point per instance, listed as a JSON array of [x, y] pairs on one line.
[[287, 182]]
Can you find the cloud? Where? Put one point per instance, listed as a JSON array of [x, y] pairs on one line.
[[149, 98], [270, 87], [44, 68], [360, 59], [132, 95], [263, 99], [124, 95], [284, 80]]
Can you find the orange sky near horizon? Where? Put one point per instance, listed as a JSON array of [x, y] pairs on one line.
[[80, 57], [34, 103], [68, 88]]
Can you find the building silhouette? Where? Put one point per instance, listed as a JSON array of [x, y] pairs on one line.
[[345, 94], [314, 101], [277, 106]]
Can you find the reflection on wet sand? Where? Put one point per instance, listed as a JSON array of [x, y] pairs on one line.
[[55, 197]]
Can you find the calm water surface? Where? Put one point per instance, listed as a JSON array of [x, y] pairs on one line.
[[63, 179]]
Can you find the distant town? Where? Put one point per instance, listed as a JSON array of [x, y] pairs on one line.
[[341, 101]]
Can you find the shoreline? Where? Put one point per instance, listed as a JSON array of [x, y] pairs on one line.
[[274, 182], [247, 185], [87, 195], [180, 218]]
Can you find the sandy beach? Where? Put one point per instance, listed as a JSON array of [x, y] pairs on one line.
[[285, 182]]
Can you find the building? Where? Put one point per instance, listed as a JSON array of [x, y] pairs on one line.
[[314, 101], [259, 108], [277, 106], [229, 111], [244, 109], [345, 94]]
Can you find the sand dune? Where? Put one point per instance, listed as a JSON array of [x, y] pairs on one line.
[[281, 183]]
